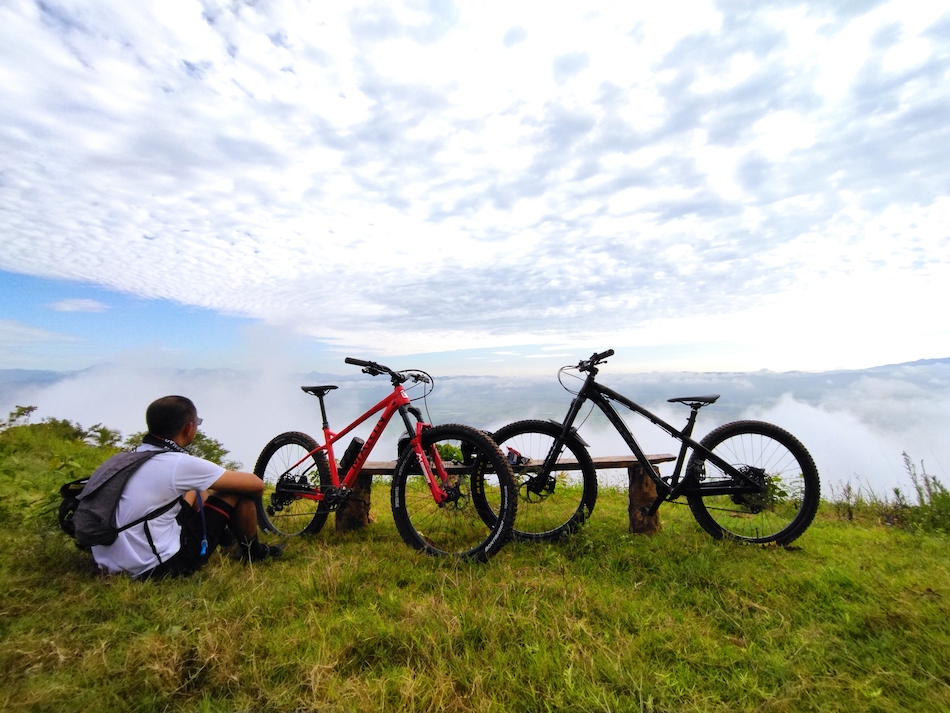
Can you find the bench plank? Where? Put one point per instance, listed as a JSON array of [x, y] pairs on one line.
[[355, 513], [388, 467]]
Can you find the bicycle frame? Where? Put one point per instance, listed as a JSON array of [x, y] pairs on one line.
[[675, 486], [397, 402]]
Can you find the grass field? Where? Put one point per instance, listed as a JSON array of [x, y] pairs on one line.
[[856, 617]]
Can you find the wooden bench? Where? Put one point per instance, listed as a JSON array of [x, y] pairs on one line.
[[354, 514]]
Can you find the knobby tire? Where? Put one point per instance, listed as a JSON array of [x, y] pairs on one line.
[[476, 522], [553, 505], [770, 453], [301, 516]]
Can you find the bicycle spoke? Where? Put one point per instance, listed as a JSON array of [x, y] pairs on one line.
[[478, 488], [787, 497], [554, 504], [291, 515]]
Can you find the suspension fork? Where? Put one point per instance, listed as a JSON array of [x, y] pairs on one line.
[[436, 474]]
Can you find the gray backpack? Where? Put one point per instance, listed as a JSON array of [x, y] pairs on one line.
[[87, 512]]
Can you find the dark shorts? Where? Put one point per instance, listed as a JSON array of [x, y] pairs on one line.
[[189, 559]]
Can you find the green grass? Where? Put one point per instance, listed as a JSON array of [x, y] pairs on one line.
[[854, 619]]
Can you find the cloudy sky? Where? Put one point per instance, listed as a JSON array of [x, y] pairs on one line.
[[486, 187]]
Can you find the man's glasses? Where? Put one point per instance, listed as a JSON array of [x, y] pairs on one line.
[[198, 421]]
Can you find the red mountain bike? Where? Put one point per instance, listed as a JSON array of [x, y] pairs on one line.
[[452, 491]]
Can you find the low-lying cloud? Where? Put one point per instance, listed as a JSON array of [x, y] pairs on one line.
[[855, 424]]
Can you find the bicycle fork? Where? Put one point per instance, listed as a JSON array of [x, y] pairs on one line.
[[432, 470], [543, 483]]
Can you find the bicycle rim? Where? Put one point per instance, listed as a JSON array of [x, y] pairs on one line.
[[300, 515], [550, 505], [475, 522], [772, 456]]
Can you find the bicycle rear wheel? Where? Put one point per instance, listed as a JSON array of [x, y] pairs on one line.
[[475, 521], [554, 504], [290, 515], [774, 458]]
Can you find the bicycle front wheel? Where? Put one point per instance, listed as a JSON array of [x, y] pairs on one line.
[[553, 504], [770, 456], [475, 521], [288, 456]]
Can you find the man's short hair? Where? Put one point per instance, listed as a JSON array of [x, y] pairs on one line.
[[165, 417]]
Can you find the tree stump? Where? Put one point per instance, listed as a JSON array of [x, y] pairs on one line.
[[354, 513], [642, 492]]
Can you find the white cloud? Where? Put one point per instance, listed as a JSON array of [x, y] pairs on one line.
[[855, 425], [407, 180], [25, 346], [79, 305], [19, 335], [781, 132]]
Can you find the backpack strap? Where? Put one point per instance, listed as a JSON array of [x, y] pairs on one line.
[[145, 518], [152, 515], [121, 461]]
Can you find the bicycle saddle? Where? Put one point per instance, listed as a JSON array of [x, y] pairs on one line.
[[697, 400], [317, 390]]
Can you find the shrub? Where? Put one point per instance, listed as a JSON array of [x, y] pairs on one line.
[[932, 513]]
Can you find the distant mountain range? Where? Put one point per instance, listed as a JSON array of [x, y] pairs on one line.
[[856, 423], [481, 396], [16, 380]]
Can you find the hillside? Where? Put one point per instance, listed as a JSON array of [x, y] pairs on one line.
[[853, 618]]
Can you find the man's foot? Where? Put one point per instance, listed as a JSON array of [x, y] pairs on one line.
[[257, 551]]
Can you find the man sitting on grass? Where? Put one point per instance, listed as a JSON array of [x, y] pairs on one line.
[[179, 541]]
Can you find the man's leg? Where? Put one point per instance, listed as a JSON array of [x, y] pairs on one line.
[[244, 528], [200, 536]]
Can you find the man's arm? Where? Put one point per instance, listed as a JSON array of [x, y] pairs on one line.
[[232, 481]]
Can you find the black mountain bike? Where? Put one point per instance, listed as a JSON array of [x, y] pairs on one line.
[[747, 480]]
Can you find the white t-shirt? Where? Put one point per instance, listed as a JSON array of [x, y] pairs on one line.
[[159, 481]]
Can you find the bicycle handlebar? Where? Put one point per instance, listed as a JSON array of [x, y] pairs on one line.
[[366, 364], [374, 369], [595, 359], [370, 367]]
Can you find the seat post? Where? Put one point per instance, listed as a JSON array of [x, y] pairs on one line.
[[320, 392], [323, 411], [691, 421]]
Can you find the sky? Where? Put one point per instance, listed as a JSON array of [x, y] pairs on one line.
[[474, 187]]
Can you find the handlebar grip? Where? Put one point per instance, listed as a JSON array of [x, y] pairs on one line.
[[369, 367], [595, 359]]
